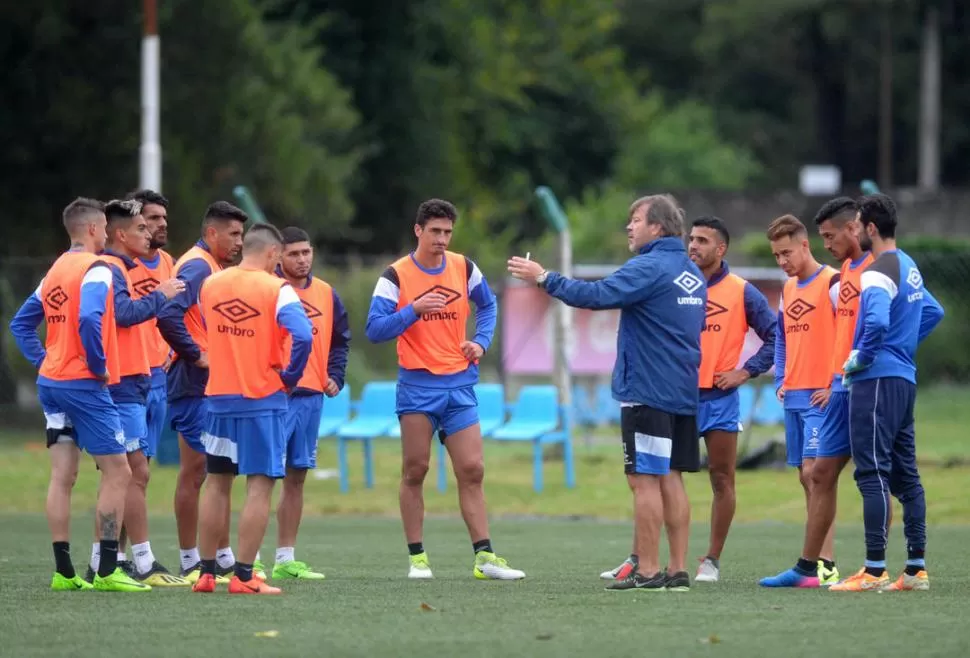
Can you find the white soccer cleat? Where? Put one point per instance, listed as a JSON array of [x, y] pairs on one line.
[[489, 566], [420, 567], [628, 566], [708, 572]]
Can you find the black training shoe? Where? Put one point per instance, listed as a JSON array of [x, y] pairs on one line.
[[89, 575], [678, 582], [636, 580], [128, 567]]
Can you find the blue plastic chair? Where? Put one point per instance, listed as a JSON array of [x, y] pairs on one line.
[[375, 418], [607, 409], [769, 410], [747, 396], [539, 418], [336, 413]]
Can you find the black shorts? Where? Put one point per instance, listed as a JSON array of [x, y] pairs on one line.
[[656, 442]]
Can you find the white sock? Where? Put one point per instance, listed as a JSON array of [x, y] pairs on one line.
[[225, 558], [96, 556], [284, 554], [144, 558], [257, 556], [122, 556], [190, 558]]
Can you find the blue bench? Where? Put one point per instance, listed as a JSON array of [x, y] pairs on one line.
[[375, 418]]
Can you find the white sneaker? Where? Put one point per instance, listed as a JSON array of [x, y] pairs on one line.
[[420, 567], [629, 566], [489, 566], [708, 572]]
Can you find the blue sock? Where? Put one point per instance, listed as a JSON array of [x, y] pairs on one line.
[[875, 567]]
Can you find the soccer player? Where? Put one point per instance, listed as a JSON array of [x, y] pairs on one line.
[[896, 313], [180, 324], [837, 222], [733, 305], [662, 298], [128, 239], [78, 362], [246, 310], [422, 301], [150, 270], [805, 332], [324, 375]]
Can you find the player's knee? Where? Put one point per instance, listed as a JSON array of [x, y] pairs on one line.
[[140, 474], [471, 474], [414, 472], [823, 477], [805, 477], [722, 481], [191, 476], [115, 470], [64, 478]]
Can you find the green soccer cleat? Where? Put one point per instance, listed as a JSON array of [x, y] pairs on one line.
[[119, 581], [61, 583], [827, 577], [294, 569], [259, 569], [420, 567]]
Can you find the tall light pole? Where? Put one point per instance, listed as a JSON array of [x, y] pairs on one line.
[[150, 152]]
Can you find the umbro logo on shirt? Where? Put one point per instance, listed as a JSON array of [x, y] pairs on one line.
[[689, 283], [236, 310], [145, 286], [311, 310], [714, 309], [914, 278], [798, 309], [449, 294], [56, 298], [847, 292]]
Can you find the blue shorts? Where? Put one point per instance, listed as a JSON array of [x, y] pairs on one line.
[[802, 429], [86, 416], [302, 427], [133, 424], [449, 410], [253, 445], [155, 418], [189, 417], [720, 415], [833, 437]]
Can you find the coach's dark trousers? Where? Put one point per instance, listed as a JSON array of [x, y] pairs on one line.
[[884, 451]]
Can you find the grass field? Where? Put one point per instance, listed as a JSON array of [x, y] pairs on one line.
[[367, 607]]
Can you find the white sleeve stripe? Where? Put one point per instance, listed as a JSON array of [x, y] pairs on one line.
[[475, 279], [387, 290], [871, 279], [286, 297], [834, 294], [37, 293], [98, 274]]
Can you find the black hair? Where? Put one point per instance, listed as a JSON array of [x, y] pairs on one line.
[[716, 223], [148, 196], [435, 209], [880, 210], [223, 211], [260, 236], [294, 234], [840, 209], [120, 213]]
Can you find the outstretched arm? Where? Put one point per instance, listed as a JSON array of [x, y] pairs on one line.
[[128, 311], [628, 285]]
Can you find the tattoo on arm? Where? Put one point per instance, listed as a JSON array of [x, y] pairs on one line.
[[108, 523]]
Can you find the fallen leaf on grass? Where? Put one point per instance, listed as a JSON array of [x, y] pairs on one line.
[[713, 639], [268, 634], [544, 636], [427, 607]]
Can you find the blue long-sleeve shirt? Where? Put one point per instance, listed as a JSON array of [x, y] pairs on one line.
[[128, 313], [24, 325], [663, 299], [797, 399], [185, 379], [759, 317], [895, 314], [339, 343], [385, 322], [290, 316]]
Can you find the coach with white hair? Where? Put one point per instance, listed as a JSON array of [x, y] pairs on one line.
[[662, 297]]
